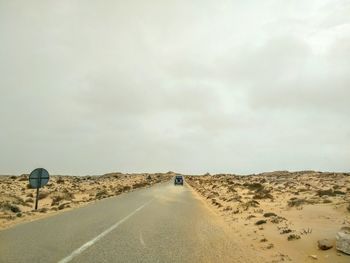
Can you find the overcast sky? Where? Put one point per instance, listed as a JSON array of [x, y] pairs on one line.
[[89, 87]]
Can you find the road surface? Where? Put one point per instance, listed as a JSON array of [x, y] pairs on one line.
[[163, 223]]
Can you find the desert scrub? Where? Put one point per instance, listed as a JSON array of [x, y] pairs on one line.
[[9, 207], [294, 201], [293, 237], [139, 185], [57, 197], [43, 195], [101, 194]]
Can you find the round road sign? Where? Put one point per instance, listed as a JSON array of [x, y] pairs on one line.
[[38, 178]]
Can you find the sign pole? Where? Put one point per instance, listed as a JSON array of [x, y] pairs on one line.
[[37, 198], [37, 190]]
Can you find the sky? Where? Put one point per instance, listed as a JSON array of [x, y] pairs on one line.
[[90, 87]]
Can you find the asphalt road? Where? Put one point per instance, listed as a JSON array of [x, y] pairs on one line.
[[164, 223]]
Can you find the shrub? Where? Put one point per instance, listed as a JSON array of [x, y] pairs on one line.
[[254, 186], [328, 192], [11, 207], [43, 195], [60, 180], [296, 202], [29, 200], [126, 188], [293, 237], [101, 194]]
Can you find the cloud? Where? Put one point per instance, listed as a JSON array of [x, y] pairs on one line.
[[235, 86]]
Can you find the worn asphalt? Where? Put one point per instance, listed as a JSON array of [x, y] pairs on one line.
[[163, 223]]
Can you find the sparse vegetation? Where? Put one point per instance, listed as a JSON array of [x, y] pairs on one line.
[[101, 194], [293, 237]]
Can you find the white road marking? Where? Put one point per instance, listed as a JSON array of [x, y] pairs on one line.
[[141, 240], [97, 238]]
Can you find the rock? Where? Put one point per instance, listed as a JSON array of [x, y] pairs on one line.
[[324, 244], [260, 222], [343, 240], [269, 214], [313, 256]]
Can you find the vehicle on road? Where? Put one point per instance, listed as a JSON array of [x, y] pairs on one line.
[[179, 180]]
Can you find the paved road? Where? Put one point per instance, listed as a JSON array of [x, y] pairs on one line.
[[164, 223]]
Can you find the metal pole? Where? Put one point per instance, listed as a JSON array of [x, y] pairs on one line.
[[37, 190], [37, 198]]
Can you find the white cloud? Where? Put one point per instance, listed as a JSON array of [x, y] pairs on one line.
[[229, 86]]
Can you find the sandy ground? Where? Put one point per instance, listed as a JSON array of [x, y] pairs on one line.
[[281, 215], [17, 199]]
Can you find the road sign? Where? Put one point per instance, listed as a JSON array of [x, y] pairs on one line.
[[37, 179]]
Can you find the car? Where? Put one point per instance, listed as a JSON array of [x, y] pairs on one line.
[[179, 180]]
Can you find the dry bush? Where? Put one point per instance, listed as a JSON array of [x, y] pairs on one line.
[[253, 186], [293, 237], [57, 197], [126, 188], [6, 206], [29, 200], [43, 195], [60, 180], [139, 185], [251, 203], [295, 202], [101, 194]]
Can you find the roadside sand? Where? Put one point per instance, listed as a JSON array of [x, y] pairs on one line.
[[297, 210], [17, 199]]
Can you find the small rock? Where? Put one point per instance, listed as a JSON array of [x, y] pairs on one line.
[[313, 256], [343, 240], [269, 214], [324, 244], [260, 222]]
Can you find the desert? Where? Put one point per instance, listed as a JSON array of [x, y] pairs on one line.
[[62, 193], [283, 216]]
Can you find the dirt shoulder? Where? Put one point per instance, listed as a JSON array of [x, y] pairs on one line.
[[282, 215], [64, 192]]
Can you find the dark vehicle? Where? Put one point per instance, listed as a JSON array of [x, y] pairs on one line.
[[179, 180]]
